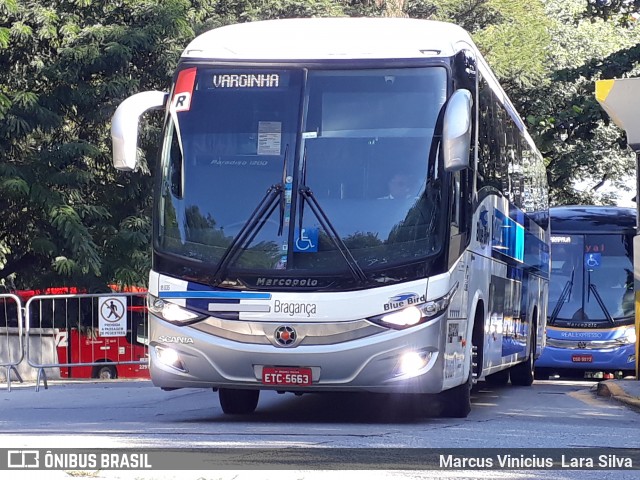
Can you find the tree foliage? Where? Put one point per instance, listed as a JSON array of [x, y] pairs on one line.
[[585, 152], [68, 216]]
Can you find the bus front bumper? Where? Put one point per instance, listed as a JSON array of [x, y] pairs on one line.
[[409, 361], [622, 358]]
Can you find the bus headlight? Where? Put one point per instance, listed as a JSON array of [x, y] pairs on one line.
[[406, 317], [415, 314], [171, 312], [629, 336]]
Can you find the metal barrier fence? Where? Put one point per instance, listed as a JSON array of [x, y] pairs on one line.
[[11, 345], [76, 336]]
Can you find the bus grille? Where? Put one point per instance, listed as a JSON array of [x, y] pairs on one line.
[[263, 333]]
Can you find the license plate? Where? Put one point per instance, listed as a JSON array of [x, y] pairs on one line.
[[286, 376], [582, 358]]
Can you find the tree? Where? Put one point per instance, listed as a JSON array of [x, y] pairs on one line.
[[547, 56], [584, 151], [68, 217], [512, 35]]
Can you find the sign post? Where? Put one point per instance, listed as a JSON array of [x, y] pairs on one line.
[[620, 98]]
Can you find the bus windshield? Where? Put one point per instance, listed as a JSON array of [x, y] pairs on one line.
[[591, 280], [294, 169]]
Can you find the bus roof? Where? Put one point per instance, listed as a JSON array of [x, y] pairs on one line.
[[330, 39], [592, 219]]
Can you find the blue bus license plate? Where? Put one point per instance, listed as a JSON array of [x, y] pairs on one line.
[[286, 376], [582, 358]]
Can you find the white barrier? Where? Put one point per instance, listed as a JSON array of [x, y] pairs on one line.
[[86, 336], [11, 344]]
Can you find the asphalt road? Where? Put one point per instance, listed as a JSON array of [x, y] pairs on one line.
[[116, 414]]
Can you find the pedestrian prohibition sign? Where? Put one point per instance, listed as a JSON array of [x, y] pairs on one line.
[[112, 313]]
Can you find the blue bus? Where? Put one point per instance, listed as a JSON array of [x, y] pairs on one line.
[[590, 328]]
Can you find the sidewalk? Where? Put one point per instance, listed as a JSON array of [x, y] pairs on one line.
[[625, 391]]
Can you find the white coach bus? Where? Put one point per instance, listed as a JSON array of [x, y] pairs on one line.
[[342, 204]]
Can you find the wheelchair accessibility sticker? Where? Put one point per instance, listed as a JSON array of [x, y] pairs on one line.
[[306, 240], [592, 260]]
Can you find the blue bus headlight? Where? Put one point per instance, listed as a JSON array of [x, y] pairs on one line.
[[415, 314], [171, 312], [629, 336]]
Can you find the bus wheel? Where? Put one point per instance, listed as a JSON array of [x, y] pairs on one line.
[[238, 402], [498, 379], [456, 402], [107, 372], [522, 374]]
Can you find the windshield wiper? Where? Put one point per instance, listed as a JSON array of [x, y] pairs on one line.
[[592, 288], [258, 218], [247, 233], [566, 291], [307, 194]]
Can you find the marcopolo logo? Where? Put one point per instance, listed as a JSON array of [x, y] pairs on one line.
[[286, 282], [404, 300]]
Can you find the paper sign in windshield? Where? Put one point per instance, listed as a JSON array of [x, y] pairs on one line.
[[269, 138]]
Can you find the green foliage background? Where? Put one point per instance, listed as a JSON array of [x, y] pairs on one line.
[[68, 218]]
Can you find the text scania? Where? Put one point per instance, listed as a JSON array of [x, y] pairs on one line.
[[169, 339], [292, 308]]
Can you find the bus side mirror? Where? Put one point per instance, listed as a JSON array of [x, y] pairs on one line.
[[456, 131], [124, 126]]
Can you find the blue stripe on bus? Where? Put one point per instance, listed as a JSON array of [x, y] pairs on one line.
[[507, 236], [217, 295]]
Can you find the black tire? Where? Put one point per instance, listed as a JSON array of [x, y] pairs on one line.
[[522, 374], [456, 402], [238, 402], [498, 379], [107, 372]]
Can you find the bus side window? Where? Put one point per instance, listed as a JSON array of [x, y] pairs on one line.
[[461, 204]]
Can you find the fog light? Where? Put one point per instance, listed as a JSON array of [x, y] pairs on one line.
[[413, 362], [170, 358]]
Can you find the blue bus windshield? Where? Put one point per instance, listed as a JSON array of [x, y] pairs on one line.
[[591, 280]]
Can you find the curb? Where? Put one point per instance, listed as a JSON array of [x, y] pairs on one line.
[[614, 391]]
